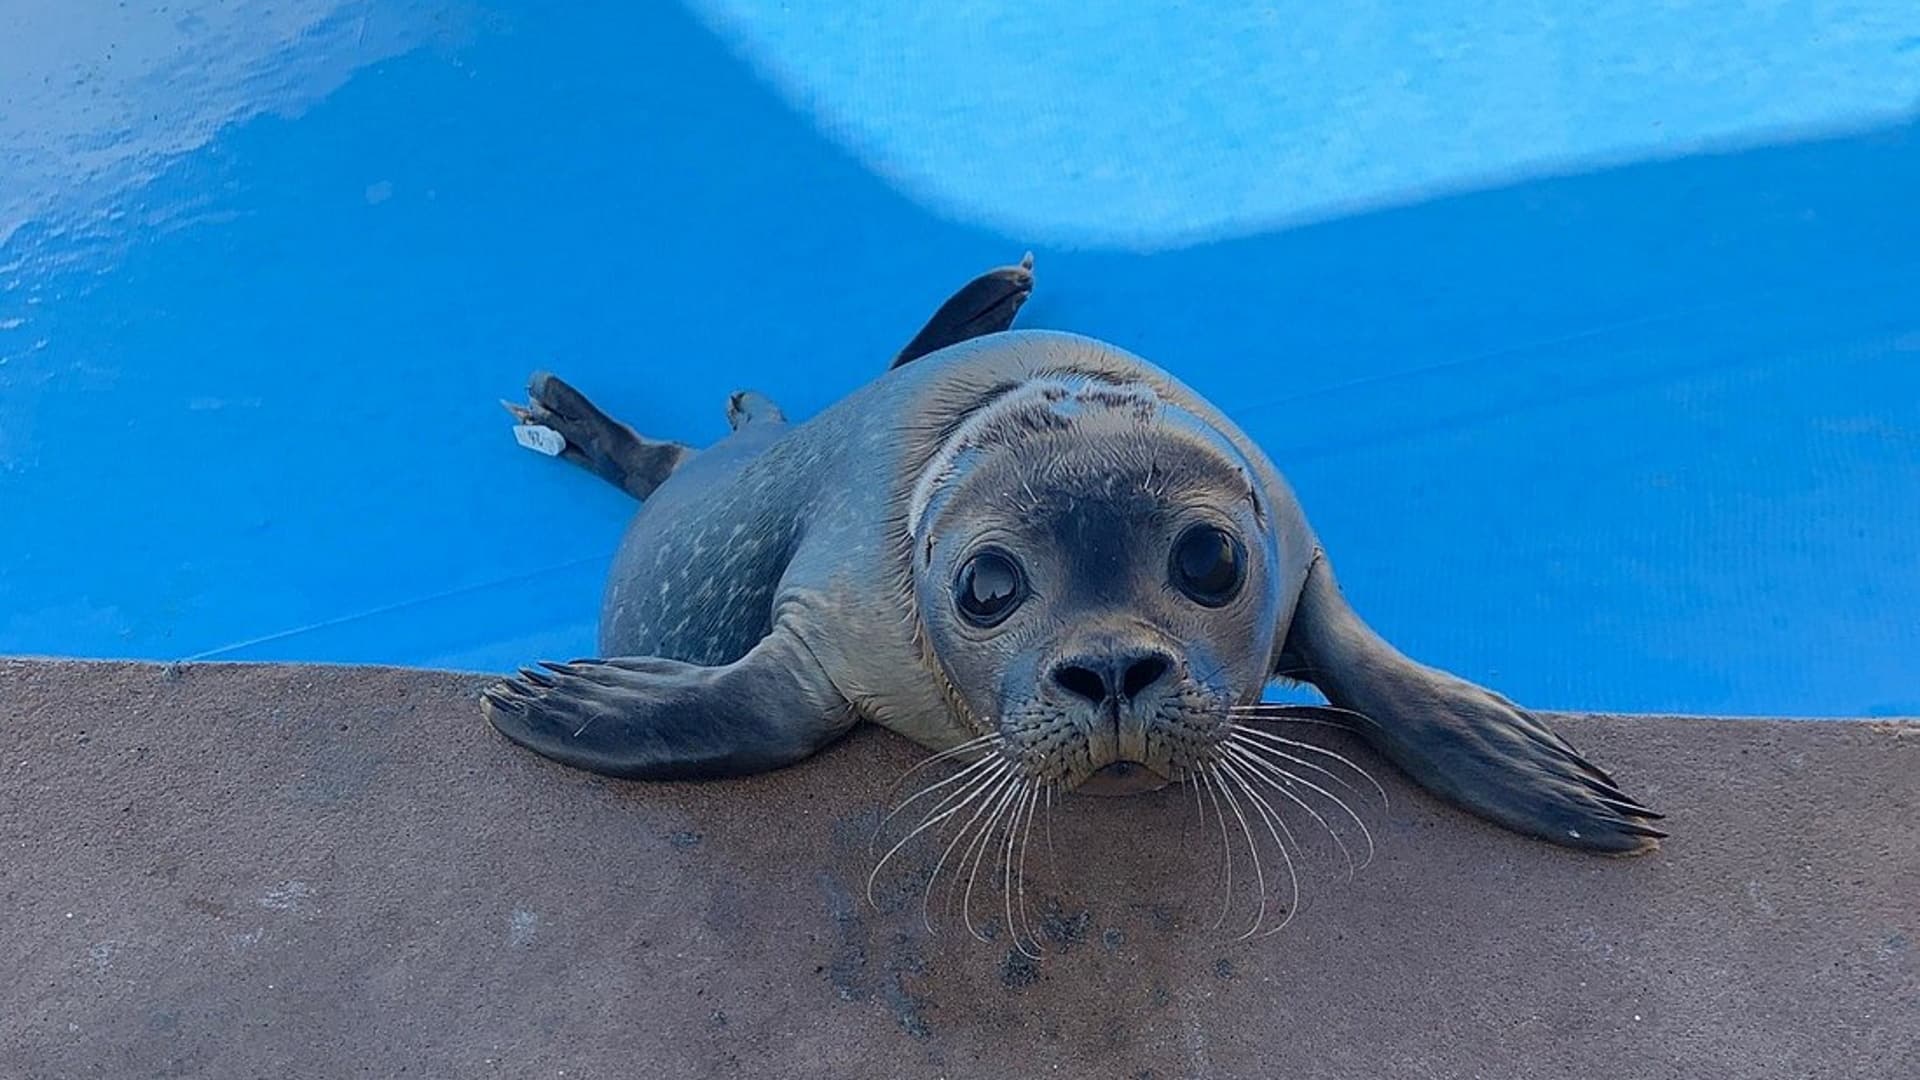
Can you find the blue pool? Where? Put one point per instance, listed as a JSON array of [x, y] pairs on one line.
[[1591, 342]]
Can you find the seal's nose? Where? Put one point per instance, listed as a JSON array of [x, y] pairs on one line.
[[1112, 676]]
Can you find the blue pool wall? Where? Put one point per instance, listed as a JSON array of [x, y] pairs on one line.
[[1613, 433]]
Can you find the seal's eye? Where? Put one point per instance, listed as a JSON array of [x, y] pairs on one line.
[[1209, 565], [989, 588]]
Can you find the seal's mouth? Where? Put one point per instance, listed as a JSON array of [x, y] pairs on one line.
[[1122, 778]]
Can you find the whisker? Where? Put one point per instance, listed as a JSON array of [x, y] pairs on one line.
[[1301, 672], [1226, 846], [975, 743], [1307, 709], [1275, 827], [1253, 852], [1304, 713], [1001, 779], [1260, 771], [1013, 827], [1278, 773], [1274, 742], [1289, 715], [934, 817], [1264, 751], [1285, 830], [923, 792], [1240, 713], [987, 769], [1052, 857], [987, 739], [1006, 875], [1250, 737], [984, 842], [976, 840], [1020, 874]]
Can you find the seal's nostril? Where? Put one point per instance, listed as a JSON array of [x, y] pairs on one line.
[[1081, 682], [1100, 680], [1141, 674]]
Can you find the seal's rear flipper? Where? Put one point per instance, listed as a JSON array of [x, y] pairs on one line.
[[591, 439], [1464, 743], [653, 719], [751, 407], [985, 305]]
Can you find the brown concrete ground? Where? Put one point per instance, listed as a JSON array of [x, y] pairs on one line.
[[264, 871]]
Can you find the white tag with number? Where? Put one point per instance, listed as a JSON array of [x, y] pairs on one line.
[[542, 439]]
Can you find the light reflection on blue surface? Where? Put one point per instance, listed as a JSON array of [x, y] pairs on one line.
[[96, 100], [1643, 438], [1150, 125]]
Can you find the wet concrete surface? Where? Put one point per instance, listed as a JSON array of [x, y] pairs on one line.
[[275, 871]]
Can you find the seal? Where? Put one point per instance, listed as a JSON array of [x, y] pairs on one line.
[[1029, 550]]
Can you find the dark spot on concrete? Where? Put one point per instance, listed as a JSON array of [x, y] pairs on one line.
[[1018, 971], [856, 831], [684, 839], [717, 1020], [1061, 928], [1158, 996], [907, 1010], [1113, 937], [849, 962], [726, 907], [905, 890], [1159, 916], [1223, 968], [905, 956], [846, 968], [341, 772]]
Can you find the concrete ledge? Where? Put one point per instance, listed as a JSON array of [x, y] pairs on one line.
[[230, 871]]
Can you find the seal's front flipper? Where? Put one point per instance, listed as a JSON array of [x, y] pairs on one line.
[[591, 439], [1464, 743], [654, 719], [985, 305]]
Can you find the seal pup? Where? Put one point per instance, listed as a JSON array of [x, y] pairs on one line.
[[1031, 551]]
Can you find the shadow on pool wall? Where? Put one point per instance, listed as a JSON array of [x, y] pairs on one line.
[[1646, 439]]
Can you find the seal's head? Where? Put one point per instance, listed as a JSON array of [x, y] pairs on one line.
[[1095, 576]]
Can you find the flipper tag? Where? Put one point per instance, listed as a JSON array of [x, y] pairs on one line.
[[540, 438]]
